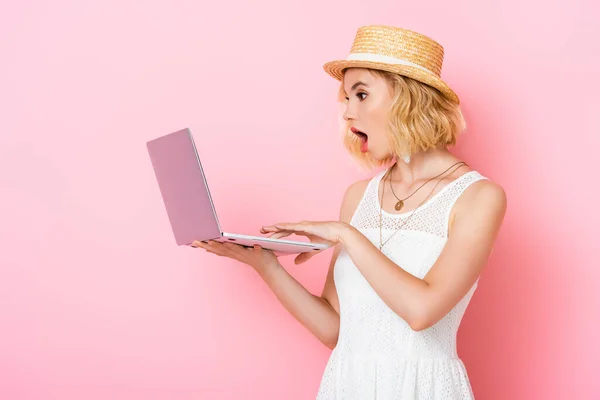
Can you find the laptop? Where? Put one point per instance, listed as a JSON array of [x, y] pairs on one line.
[[190, 209]]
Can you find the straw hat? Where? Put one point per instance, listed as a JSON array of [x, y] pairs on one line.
[[396, 50]]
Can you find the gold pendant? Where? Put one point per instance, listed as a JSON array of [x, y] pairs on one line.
[[399, 205]]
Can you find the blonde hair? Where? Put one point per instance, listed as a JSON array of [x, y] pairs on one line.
[[420, 119]]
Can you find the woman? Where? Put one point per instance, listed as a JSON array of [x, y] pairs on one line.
[[410, 243]]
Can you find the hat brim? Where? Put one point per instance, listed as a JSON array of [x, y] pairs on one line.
[[336, 70]]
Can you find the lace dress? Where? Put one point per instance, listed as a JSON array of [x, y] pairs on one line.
[[378, 355]]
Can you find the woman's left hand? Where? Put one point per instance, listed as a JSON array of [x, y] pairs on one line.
[[328, 232]]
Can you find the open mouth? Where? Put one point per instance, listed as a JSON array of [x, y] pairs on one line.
[[360, 134], [363, 137]]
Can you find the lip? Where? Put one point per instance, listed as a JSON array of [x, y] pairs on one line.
[[358, 132]]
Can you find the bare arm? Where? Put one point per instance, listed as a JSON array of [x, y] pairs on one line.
[[320, 315], [314, 312], [423, 302]]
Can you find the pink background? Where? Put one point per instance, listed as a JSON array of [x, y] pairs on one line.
[[96, 301]]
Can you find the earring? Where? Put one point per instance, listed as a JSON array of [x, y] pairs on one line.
[[406, 158]]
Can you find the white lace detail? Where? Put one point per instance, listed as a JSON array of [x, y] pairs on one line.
[[431, 217], [378, 355]]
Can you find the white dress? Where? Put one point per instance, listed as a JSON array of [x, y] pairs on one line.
[[378, 355]]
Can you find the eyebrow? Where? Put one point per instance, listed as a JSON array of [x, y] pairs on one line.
[[357, 84]]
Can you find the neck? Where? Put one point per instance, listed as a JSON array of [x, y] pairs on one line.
[[422, 165]]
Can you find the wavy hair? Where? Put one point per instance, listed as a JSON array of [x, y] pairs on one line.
[[420, 119]]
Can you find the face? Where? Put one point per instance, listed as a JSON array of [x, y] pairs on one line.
[[368, 99]]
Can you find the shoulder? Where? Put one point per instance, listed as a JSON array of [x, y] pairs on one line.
[[484, 197], [487, 193], [352, 197]]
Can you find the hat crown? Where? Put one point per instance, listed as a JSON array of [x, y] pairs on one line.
[[399, 43]]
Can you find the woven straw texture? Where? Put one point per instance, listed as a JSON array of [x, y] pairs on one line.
[[400, 43]]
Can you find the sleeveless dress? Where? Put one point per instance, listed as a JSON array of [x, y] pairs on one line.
[[378, 355]]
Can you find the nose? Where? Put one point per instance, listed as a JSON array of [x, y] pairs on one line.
[[349, 112]]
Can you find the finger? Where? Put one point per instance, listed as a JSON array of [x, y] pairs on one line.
[[280, 226], [217, 244], [233, 248], [199, 244], [302, 226], [213, 247], [310, 254], [226, 249], [278, 235], [303, 257], [269, 228], [217, 247], [285, 226], [203, 243], [300, 259]]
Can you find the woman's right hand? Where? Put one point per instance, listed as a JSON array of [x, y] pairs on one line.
[[256, 257]]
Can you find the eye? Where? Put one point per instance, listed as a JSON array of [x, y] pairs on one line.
[[358, 94]]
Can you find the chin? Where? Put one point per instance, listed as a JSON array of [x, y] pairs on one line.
[[375, 155], [381, 157]]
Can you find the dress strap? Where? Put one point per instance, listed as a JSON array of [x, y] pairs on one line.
[[431, 217], [458, 187], [365, 204]]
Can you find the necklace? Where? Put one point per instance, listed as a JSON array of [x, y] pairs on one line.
[[381, 242], [400, 202]]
